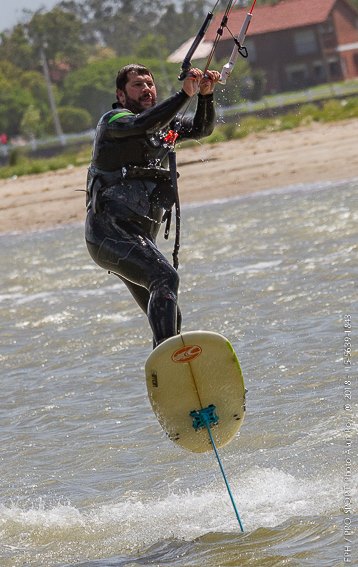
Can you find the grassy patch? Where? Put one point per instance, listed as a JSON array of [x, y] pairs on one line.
[[20, 164]]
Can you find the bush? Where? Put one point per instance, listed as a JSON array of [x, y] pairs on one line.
[[350, 108], [252, 124], [290, 121], [332, 110], [216, 137], [74, 119], [309, 111], [16, 156], [229, 130]]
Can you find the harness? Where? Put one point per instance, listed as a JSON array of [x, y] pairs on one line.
[[102, 180]]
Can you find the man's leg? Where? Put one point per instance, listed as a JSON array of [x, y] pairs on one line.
[[142, 295], [136, 260]]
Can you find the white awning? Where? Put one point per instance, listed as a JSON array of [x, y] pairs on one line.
[[202, 51]]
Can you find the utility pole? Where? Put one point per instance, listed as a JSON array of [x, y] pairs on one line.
[[51, 98]]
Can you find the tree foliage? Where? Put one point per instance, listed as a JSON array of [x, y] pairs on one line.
[[31, 126], [74, 119], [61, 34]]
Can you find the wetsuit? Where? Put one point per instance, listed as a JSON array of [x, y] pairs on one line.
[[128, 189]]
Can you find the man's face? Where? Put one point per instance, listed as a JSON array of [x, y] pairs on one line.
[[139, 93]]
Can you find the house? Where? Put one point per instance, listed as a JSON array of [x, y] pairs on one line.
[[297, 43]]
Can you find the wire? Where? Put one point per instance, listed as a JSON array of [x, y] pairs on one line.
[[219, 32]]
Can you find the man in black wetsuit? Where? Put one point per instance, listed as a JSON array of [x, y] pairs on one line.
[[129, 187]]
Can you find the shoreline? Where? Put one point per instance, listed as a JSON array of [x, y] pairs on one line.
[[299, 187], [319, 153]]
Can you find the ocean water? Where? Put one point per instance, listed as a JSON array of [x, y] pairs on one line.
[[89, 479]]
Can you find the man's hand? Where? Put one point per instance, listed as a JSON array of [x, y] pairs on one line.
[[192, 82], [208, 81]]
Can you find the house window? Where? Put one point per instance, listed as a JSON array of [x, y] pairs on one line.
[[327, 26], [305, 42], [355, 59], [319, 73], [297, 75], [334, 68]]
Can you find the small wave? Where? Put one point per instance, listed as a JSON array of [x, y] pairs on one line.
[[265, 498], [250, 268], [295, 188]]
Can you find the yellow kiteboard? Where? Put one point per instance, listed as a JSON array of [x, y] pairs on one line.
[[194, 380]]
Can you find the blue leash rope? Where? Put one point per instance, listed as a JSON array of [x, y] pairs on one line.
[[204, 418]]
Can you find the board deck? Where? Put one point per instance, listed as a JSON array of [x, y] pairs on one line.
[[192, 371]]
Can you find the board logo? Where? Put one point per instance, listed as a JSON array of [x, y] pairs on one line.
[[187, 353]]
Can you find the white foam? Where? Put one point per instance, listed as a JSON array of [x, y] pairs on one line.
[[250, 268], [54, 319], [264, 497]]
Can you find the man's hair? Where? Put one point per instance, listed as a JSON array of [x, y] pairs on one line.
[[122, 77]]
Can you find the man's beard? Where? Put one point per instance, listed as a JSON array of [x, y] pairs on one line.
[[135, 106]]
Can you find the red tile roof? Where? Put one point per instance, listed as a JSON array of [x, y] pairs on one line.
[[287, 14]]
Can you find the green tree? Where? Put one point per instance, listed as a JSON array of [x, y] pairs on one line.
[[15, 48], [60, 34], [74, 119], [19, 90], [13, 100], [121, 24], [178, 24], [9, 70], [31, 125], [92, 87], [152, 45], [34, 82]]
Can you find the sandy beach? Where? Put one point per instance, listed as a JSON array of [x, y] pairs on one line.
[[260, 162]]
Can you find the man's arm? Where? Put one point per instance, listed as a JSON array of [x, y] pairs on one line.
[[203, 122], [124, 123]]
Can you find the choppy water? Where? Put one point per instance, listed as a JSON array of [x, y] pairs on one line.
[[87, 476]]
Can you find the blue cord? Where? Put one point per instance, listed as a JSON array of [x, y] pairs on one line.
[[205, 417]]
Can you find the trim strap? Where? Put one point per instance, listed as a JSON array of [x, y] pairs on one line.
[[120, 115]]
